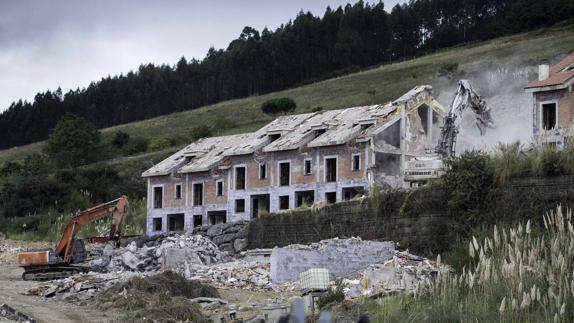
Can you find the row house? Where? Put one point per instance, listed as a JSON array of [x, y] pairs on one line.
[[553, 102], [294, 161]]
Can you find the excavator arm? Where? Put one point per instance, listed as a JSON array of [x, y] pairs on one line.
[[466, 97], [117, 208], [49, 264]]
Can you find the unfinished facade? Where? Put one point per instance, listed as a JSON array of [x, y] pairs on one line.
[[294, 161], [553, 102]]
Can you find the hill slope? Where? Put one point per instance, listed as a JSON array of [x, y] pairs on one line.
[[507, 56]]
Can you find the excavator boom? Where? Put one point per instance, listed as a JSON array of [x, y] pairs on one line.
[[50, 264]]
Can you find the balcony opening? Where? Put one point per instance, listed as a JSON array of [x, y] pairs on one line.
[[198, 194], [549, 116], [240, 178], [158, 197], [284, 174], [331, 169]]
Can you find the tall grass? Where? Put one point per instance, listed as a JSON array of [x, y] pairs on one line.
[[520, 275]]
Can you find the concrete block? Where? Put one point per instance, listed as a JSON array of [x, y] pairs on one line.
[[339, 256]]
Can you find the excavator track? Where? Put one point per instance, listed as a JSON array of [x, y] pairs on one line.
[[51, 273]]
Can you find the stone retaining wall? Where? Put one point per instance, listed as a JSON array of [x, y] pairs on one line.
[[230, 237]]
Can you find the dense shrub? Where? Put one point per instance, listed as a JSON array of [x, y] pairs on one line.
[[120, 139], [280, 105], [199, 132]]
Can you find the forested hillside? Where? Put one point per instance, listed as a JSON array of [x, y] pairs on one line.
[[304, 50]]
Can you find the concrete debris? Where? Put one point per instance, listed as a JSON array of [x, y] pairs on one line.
[[168, 253], [339, 256], [12, 314], [404, 272]]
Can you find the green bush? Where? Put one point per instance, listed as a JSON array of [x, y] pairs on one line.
[[470, 181], [120, 139], [201, 131], [157, 144], [279, 105], [136, 145], [333, 295]]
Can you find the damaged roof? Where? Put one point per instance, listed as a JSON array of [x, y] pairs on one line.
[[559, 74], [320, 129]]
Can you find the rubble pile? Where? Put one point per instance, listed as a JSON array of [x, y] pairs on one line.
[[404, 272], [167, 253]]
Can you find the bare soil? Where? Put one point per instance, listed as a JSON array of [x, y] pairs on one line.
[[13, 289]]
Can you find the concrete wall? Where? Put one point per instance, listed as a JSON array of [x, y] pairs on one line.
[[287, 263]]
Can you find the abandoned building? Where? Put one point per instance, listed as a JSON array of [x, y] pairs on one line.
[[553, 102], [295, 160]]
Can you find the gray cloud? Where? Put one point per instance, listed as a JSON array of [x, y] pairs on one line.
[[68, 43]]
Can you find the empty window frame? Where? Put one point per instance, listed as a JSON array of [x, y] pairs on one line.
[[356, 162], [304, 198], [549, 116], [158, 197], [331, 197], [219, 188], [178, 191], [239, 205], [284, 202], [240, 178], [262, 171], [307, 167], [331, 169], [284, 174], [197, 220], [175, 222], [197, 194], [157, 224]]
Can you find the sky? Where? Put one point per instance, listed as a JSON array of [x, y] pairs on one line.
[[69, 43]]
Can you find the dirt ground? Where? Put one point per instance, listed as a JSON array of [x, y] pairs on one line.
[[12, 288]]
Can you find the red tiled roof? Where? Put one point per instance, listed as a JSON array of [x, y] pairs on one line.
[[556, 77]]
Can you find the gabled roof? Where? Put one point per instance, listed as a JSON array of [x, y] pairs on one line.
[[320, 129], [560, 74]]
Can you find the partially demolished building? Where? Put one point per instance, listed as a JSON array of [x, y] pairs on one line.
[[293, 161], [553, 102]]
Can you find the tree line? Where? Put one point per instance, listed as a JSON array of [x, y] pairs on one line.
[[306, 49]]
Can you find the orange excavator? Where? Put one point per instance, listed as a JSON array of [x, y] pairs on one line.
[[48, 264]]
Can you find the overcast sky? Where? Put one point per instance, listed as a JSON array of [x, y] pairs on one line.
[[70, 43]]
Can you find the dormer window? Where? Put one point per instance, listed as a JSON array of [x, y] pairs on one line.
[[274, 137], [568, 68], [188, 159], [319, 132]]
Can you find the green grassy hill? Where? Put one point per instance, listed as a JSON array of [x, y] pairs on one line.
[[387, 82]]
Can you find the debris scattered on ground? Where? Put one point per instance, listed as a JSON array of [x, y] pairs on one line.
[[404, 272], [12, 314], [167, 253], [163, 297]]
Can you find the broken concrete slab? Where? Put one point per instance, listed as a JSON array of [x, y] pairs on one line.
[[339, 256]]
